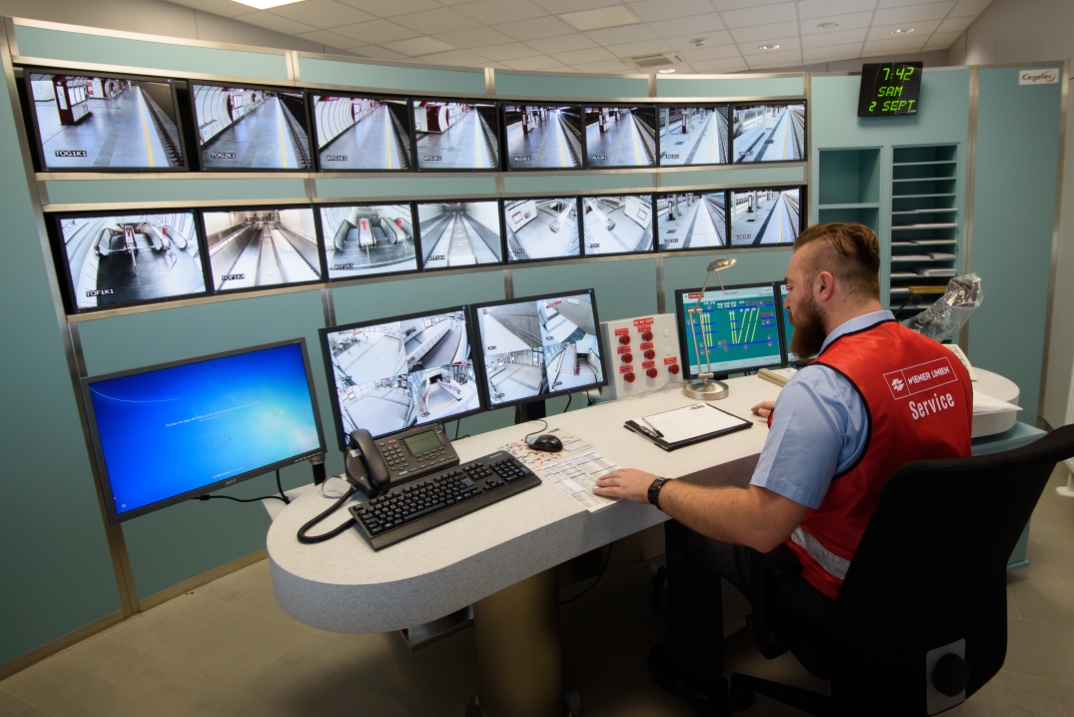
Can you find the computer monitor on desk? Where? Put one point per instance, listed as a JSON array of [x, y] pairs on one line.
[[788, 327]]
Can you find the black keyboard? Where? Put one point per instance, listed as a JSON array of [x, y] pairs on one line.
[[415, 507]]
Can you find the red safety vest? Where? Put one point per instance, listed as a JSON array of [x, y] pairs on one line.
[[920, 406]]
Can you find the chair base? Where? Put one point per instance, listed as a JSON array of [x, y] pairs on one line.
[[744, 687]]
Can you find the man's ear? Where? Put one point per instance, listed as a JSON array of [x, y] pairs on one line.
[[825, 283]]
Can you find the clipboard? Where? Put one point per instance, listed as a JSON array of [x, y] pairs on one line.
[[647, 430]]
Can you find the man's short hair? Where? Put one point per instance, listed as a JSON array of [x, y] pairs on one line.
[[851, 252]]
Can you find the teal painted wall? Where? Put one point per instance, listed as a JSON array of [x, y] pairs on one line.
[[174, 190], [387, 78], [609, 88], [730, 87]]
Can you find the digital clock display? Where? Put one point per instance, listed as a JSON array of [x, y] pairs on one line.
[[890, 89]]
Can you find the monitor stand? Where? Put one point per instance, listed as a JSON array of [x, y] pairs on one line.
[[532, 411]]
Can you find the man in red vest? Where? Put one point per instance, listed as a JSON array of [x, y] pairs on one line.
[[877, 396]]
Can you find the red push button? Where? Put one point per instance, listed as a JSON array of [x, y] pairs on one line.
[[624, 339], [650, 354], [628, 377], [651, 373], [628, 358], [673, 369], [647, 336]]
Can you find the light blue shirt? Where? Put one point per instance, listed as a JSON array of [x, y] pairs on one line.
[[819, 428]]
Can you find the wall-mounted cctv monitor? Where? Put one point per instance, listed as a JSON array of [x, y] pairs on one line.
[[368, 239], [359, 132], [766, 216], [539, 347], [694, 135], [622, 136], [259, 247], [768, 132], [737, 329], [456, 135], [540, 229], [619, 224], [692, 220], [251, 128], [111, 259], [99, 122], [173, 431], [543, 136], [462, 233], [391, 374]]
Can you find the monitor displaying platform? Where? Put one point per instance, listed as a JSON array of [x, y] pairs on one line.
[[765, 216], [543, 136], [545, 228], [261, 247], [247, 128], [101, 122], [116, 259], [169, 432], [772, 132], [454, 234], [456, 135], [620, 136], [368, 239], [692, 220], [540, 346], [361, 133], [739, 327], [617, 224], [694, 135], [396, 373]]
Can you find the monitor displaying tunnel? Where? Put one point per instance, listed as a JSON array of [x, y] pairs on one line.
[[620, 136], [694, 135], [119, 259], [543, 136], [261, 247], [617, 224], [103, 122], [368, 239], [542, 228], [456, 135], [770, 132], [455, 234], [692, 220], [248, 128], [356, 132], [766, 216]]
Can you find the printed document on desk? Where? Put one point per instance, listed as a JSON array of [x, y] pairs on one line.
[[690, 423], [574, 470]]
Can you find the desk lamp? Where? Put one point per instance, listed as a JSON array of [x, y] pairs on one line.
[[706, 389]]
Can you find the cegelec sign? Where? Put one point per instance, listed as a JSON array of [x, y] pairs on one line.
[[1038, 77]]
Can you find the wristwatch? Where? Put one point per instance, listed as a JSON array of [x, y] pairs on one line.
[[654, 490]]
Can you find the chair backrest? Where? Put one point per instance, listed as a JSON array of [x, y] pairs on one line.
[[931, 570]]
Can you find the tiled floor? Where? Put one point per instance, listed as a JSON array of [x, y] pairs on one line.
[[227, 649]]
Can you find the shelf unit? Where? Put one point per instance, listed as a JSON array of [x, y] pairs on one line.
[[849, 187], [925, 223]]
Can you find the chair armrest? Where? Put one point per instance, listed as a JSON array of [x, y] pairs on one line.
[[781, 563]]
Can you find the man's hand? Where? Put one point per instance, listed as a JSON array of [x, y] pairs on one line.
[[764, 409], [626, 483]]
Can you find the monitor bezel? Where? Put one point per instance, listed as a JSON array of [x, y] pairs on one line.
[[703, 105], [337, 416], [544, 103], [727, 222], [362, 277], [415, 99], [779, 188], [524, 262], [474, 308], [787, 356], [503, 233], [680, 320], [628, 105], [39, 147], [805, 134], [404, 99], [103, 477], [304, 91], [581, 223]]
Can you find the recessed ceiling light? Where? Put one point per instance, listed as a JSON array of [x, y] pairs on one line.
[[902, 31], [768, 47], [827, 25], [266, 4], [667, 71]]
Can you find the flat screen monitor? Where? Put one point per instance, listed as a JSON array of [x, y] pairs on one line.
[[165, 433], [770, 132], [105, 122], [115, 259], [692, 220], [766, 216], [368, 239], [739, 326], [620, 136], [358, 132], [392, 374], [462, 233], [456, 135], [259, 247], [541, 229], [539, 347], [247, 128], [694, 135], [543, 136], [788, 327], [620, 224]]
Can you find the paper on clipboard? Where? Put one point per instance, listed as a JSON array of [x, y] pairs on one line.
[[683, 424]]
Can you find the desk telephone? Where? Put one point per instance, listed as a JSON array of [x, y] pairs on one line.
[[376, 465]]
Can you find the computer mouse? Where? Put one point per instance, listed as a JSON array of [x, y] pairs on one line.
[[545, 442]]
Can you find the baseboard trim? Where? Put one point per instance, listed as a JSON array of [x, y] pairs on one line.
[[197, 581], [59, 644]]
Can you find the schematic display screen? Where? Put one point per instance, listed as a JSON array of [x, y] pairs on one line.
[[738, 327]]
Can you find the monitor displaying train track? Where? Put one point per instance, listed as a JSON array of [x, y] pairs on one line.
[[620, 136], [694, 135], [769, 132], [543, 228], [260, 247], [356, 132], [765, 216], [368, 239], [692, 220], [543, 136], [455, 234], [456, 135], [244, 128], [621, 224]]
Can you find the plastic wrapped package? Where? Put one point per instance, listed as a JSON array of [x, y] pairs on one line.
[[949, 313]]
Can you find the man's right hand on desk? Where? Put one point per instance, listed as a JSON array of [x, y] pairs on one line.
[[764, 409]]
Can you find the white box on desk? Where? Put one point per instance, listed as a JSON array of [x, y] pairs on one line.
[[642, 353]]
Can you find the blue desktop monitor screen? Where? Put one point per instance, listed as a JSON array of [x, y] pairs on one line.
[[738, 326], [172, 431]]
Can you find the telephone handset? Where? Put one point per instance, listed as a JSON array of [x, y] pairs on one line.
[[365, 464]]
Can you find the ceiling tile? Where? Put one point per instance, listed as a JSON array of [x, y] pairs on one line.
[[970, 8], [612, 16], [709, 53], [452, 3], [786, 44], [534, 63], [876, 48], [464, 58], [379, 53], [496, 12], [656, 10], [712, 39], [913, 13], [442, 20], [558, 6], [376, 31], [764, 33], [380, 8], [322, 13], [942, 40], [809, 9], [622, 35], [731, 64], [536, 28], [275, 22], [765, 15], [775, 59], [581, 57], [829, 53], [563, 43], [922, 30], [328, 38], [697, 25], [418, 46], [614, 67], [224, 8], [722, 5], [835, 38], [506, 52], [901, 3], [477, 37], [853, 21], [955, 24], [632, 49]]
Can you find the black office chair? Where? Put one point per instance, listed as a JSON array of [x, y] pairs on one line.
[[921, 619]]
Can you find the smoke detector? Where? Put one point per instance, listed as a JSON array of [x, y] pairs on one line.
[[648, 63]]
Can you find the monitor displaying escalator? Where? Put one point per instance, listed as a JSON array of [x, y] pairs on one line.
[[458, 234], [692, 220], [368, 239], [768, 132], [251, 128], [100, 122], [358, 132], [259, 247], [694, 135], [539, 347], [543, 136], [391, 374], [620, 136], [456, 135], [620, 224], [542, 228], [111, 259], [761, 217]]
